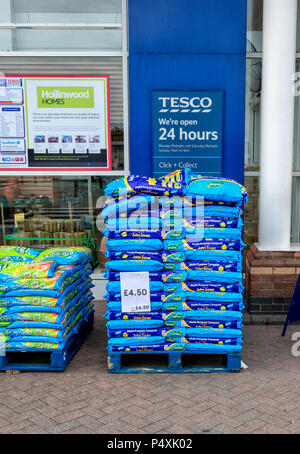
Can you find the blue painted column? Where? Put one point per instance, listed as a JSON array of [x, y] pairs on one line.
[[187, 45]]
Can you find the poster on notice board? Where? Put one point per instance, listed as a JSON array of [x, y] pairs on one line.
[[54, 123]]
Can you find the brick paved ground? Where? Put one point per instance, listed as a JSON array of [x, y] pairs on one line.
[[85, 399]]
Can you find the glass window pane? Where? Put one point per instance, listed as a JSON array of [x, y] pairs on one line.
[[295, 221], [59, 12], [251, 210], [43, 212], [254, 25], [63, 40], [252, 125], [296, 162], [66, 11], [298, 30]]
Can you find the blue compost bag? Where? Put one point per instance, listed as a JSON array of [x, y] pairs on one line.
[[211, 296], [66, 255], [214, 255], [161, 256], [219, 323], [200, 306], [186, 347], [224, 276], [191, 224], [134, 245], [43, 321], [202, 286], [226, 266], [215, 233], [216, 188], [201, 315], [203, 244], [113, 207], [141, 184], [134, 324], [195, 324], [153, 315], [177, 202], [163, 276], [134, 265], [133, 223], [145, 234], [132, 256], [205, 332], [206, 340], [179, 331], [119, 341]]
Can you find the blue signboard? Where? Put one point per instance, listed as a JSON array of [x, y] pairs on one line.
[[187, 131]]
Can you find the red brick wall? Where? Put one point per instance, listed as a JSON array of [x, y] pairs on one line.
[[270, 279]]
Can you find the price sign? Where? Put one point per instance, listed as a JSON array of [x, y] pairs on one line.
[[135, 292]]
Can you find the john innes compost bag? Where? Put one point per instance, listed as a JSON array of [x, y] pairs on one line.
[[46, 299], [185, 232]]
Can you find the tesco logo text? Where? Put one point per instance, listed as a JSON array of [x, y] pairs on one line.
[[185, 104]]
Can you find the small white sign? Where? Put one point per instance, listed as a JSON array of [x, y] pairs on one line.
[[135, 292]]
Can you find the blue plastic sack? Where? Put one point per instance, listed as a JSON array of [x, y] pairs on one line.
[[214, 255], [120, 341], [202, 286], [212, 296], [200, 306], [153, 315], [162, 276], [66, 255], [134, 245], [179, 331], [145, 234], [213, 233], [132, 256], [141, 184], [195, 266], [223, 276], [203, 244], [216, 188], [133, 223], [201, 315], [134, 324], [113, 207], [191, 224], [186, 347], [134, 265]]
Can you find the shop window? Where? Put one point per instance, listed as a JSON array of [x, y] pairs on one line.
[[252, 125], [43, 212], [61, 25], [254, 25]]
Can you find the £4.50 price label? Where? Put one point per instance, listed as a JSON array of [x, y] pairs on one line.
[[135, 292]]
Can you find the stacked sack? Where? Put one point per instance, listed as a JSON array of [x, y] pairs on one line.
[[186, 231], [44, 296]]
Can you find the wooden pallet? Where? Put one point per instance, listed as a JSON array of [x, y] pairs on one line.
[[47, 360], [174, 362]]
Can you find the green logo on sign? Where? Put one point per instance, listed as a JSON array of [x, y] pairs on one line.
[[214, 185], [68, 97]]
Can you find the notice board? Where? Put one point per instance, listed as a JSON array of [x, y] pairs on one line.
[[54, 123], [187, 131]]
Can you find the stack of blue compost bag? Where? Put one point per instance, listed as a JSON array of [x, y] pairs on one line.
[[186, 231], [45, 297]]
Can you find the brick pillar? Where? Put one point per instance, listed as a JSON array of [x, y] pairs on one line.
[[270, 280]]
